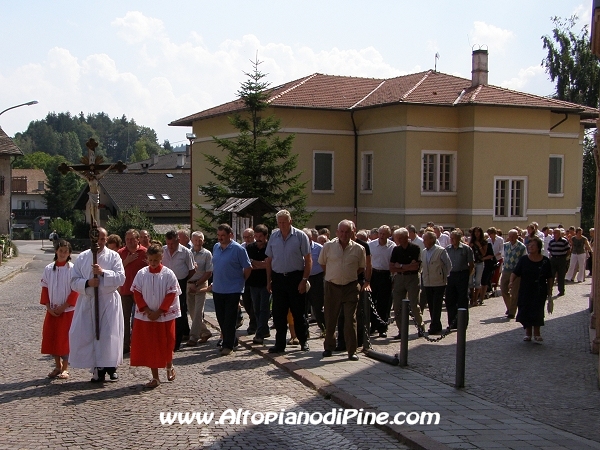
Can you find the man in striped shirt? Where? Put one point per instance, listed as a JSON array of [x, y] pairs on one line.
[[559, 249]]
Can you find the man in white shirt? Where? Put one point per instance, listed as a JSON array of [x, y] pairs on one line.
[[414, 237], [381, 280]]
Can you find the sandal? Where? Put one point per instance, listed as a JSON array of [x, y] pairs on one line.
[[64, 375], [527, 338], [171, 374], [538, 339], [153, 383], [56, 372]]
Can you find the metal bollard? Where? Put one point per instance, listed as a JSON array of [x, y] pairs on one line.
[[461, 344], [404, 333]]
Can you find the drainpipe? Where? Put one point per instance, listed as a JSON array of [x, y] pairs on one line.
[[355, 209]]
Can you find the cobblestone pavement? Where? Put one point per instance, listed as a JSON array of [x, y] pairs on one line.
[[555, 383], [40, 413]]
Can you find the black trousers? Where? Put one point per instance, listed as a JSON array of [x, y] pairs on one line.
[[381, 287], [435, 298], [457, 294], [182, 325], [558, 264], [226, 308], [286, 297], [315, 298], [249, 308]]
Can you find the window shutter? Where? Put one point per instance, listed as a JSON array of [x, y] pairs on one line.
[[323, 172]]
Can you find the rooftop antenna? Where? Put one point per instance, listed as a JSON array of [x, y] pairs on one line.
[[437, 56]]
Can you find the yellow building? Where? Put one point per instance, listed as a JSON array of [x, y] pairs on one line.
[[421, 147]]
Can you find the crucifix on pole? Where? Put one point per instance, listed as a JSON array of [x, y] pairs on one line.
[[91, 170]]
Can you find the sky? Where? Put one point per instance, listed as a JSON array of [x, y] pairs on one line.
[[157, 61]]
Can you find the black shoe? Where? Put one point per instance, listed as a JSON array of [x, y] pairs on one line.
[[326, 353], [510, 316], [98, 380], [251, 331], [340, 348], [304, 347], [560, 294], [276, 350], [506, 313], [383, 334], [397, 338], [434, 332], [353, 357], [114, 376]]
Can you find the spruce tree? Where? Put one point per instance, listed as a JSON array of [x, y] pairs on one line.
[[258, 162]]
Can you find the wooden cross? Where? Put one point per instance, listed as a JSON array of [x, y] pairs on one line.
[[91, 170]]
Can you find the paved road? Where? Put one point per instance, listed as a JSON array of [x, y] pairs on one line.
[[39, 413], [555, 383]]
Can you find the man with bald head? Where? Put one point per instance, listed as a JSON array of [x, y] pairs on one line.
[[102, 355], [513, 251]]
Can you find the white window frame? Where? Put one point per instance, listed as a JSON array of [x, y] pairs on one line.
[[562, 175], [364, 189], [323, 191], [510, 179], [437, 192]]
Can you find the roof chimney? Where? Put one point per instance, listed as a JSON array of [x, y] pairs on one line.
[[479, 73], [180, 159], [154, 159]]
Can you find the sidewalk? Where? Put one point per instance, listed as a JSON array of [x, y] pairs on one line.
[[518, 395], [12, 266]]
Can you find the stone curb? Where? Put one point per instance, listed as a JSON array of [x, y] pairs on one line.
[[18, 268], [405, 435]]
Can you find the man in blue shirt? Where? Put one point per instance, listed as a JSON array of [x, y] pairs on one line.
[[289, 263], [231, 268]]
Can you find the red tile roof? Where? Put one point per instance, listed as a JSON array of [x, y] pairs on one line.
[[7, 146], [320, 91]]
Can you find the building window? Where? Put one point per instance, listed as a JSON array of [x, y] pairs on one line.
[[1, 185], [322, 171], [40, 186], [509, 197], [555, 175], [25, 204], [438, 174], [367, 172], [151, 196], [165, 196]]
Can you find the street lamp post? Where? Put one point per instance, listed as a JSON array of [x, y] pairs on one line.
[[33, 102], [191, 137]]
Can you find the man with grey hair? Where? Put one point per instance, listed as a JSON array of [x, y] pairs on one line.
[[513, 251], [289, 263], [184, 238], [436, 268], [197, 285], [405, 263], [381, 280], [342, 260]]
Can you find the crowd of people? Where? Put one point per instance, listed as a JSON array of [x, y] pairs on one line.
[[151, 296]]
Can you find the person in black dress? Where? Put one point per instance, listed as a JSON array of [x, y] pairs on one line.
[[536, 286]]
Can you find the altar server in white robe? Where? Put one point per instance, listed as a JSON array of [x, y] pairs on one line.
[[104, 355]]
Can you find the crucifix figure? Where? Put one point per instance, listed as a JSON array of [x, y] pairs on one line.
[[91, 170]]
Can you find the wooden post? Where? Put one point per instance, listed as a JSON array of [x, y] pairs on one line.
[[94, 235]]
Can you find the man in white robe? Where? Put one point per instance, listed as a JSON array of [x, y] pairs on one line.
[[103, 355]]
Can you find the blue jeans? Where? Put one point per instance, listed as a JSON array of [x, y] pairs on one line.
[[261, 305]]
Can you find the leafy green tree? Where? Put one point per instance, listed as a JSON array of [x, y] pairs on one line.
[[575, 71], [257, 163], [63, 227], [132, 218]]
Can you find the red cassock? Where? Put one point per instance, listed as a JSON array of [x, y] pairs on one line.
[[152, 342], [56, 290]]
